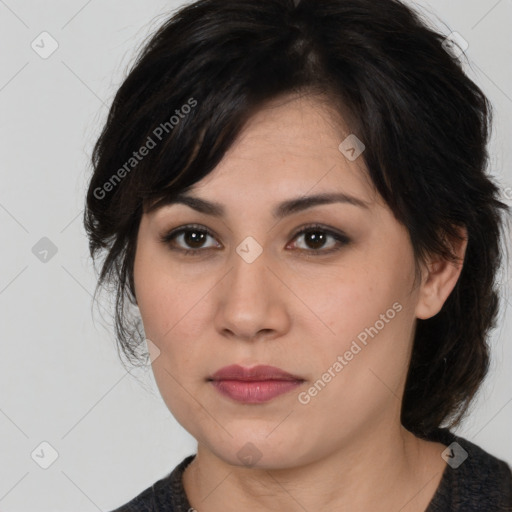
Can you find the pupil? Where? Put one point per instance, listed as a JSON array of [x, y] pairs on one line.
[[315, 237], [194, 237]]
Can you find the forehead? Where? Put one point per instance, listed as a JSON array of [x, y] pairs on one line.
[[289, 148], [290, 145]]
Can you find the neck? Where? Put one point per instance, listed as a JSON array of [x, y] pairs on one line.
[[381, 470]]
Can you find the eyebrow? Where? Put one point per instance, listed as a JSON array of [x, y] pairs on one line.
[[281, 210]]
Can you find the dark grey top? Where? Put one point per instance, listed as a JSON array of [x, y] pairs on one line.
[[473, 481]]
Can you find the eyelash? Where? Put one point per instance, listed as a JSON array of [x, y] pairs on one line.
[[340, 238]]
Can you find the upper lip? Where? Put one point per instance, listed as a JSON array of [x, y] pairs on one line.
[[256, 373]]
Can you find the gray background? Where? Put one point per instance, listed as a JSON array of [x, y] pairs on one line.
[[60, 379]]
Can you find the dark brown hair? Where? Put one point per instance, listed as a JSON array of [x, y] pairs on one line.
[[402, 92]]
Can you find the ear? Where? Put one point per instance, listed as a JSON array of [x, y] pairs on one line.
[[439, 279]]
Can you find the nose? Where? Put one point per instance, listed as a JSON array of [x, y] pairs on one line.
[[251, 301]]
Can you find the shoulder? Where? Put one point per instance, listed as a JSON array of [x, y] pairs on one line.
[[473, 479], [165, 495]]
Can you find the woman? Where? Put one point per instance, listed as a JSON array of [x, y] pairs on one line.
[[295, 197]]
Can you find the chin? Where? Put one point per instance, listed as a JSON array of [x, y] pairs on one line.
[[262, 451]]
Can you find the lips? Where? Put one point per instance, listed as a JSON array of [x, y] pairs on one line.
[[253, 385], [256, 373]]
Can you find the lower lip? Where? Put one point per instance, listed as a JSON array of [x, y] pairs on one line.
[[254, 392]]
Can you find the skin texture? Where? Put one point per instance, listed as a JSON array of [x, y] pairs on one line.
[[345, 449]]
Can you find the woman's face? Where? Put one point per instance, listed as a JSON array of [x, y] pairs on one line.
[[340, 319]]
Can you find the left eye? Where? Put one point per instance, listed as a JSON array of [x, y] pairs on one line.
[[194, 237], [317, 236]]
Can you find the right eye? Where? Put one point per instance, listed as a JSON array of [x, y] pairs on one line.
[[192, 236]]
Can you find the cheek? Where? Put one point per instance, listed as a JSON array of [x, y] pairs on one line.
[[160, 298], [154, 299], [345, 303], [174, 313], [369, 325], [168, 295], [171, 314]]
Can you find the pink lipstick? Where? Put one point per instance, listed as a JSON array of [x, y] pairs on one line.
[[253, 385]]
